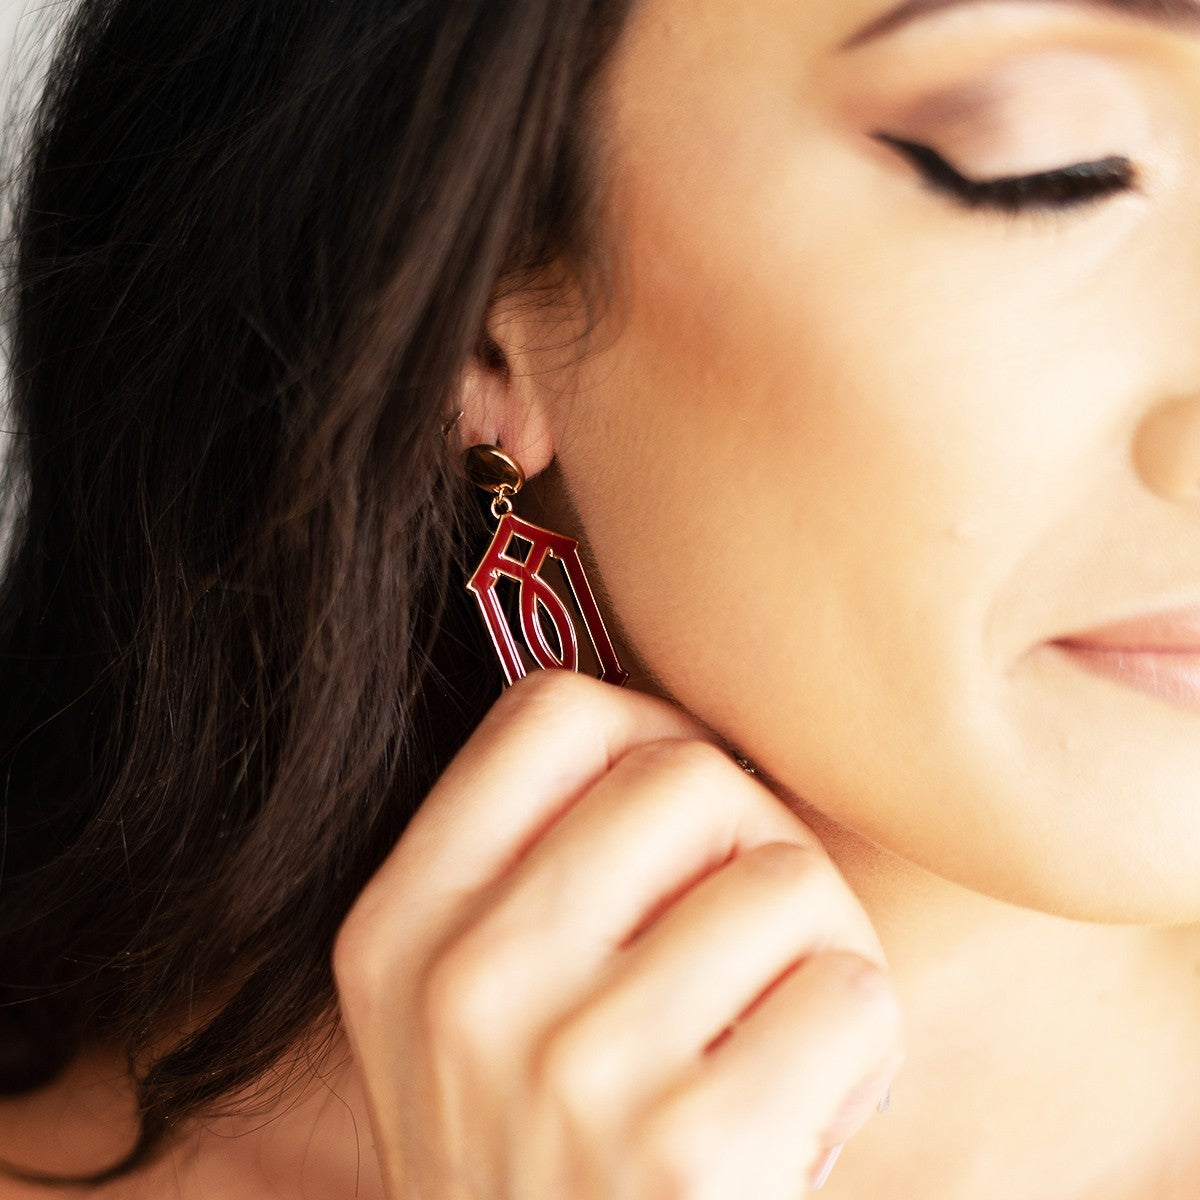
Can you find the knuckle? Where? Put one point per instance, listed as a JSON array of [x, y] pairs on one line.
[[868, 987], [361, 966], [463, 991], [820, 889], [801, 877], [683, 762], [575, 1068], [791, 864]]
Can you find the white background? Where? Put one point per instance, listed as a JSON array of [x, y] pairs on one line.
[[25, 30], [26, 27]]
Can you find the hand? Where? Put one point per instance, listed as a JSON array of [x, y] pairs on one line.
[[604, 963]]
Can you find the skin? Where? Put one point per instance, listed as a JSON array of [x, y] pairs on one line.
[[893, 448], [847, 456], [890, 443]]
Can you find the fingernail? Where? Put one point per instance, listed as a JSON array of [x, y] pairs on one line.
[[821, 1175], [886, 1103]]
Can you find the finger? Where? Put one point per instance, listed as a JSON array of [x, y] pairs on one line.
[[759, 1115], [545, 742], [713, 955], [666, 816]]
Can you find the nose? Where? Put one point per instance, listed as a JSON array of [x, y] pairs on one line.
[[1166, 449]]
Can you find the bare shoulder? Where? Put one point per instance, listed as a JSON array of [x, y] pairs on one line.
[[200, 1165], [77, 1125], [85, 1122], [313, 1140]]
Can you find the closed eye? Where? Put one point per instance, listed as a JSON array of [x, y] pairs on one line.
[[1062, 188]]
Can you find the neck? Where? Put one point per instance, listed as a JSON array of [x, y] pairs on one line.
[[1047, 1057]]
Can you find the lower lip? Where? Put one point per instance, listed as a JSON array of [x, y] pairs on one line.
[[1170, 675]]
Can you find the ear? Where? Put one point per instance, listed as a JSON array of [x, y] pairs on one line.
[[502, 396]]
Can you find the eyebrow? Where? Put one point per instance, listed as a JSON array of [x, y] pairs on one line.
[[1175, 14]]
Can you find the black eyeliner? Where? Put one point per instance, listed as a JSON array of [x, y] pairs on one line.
[[1063, 187]]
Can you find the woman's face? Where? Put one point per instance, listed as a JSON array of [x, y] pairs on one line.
[[853, 449]]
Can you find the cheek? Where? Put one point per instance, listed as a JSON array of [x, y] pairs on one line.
[[813, 466], [844, 458], [782, 446], [788, 539]]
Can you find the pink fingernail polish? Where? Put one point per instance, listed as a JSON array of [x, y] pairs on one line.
[[821, 1174]]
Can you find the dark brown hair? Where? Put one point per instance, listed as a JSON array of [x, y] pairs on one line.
[[256, 244]]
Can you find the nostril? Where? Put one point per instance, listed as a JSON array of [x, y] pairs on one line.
[[1166, 450]]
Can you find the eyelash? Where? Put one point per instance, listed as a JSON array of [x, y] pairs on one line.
[[1047, 191]]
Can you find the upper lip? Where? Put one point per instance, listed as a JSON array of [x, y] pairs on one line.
[[1176, 631]]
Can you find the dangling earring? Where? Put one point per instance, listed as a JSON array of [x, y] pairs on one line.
[[490, 469]]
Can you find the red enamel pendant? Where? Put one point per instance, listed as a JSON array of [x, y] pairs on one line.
[[519, 552]]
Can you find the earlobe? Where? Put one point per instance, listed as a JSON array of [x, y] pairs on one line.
[[499, 405]]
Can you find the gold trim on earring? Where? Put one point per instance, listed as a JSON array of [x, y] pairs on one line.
[[491, 470]]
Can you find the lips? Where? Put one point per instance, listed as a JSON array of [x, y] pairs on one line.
[[1177, 631], [1158, 654]]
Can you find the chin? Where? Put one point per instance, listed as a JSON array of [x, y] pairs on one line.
[[1107, 782]]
